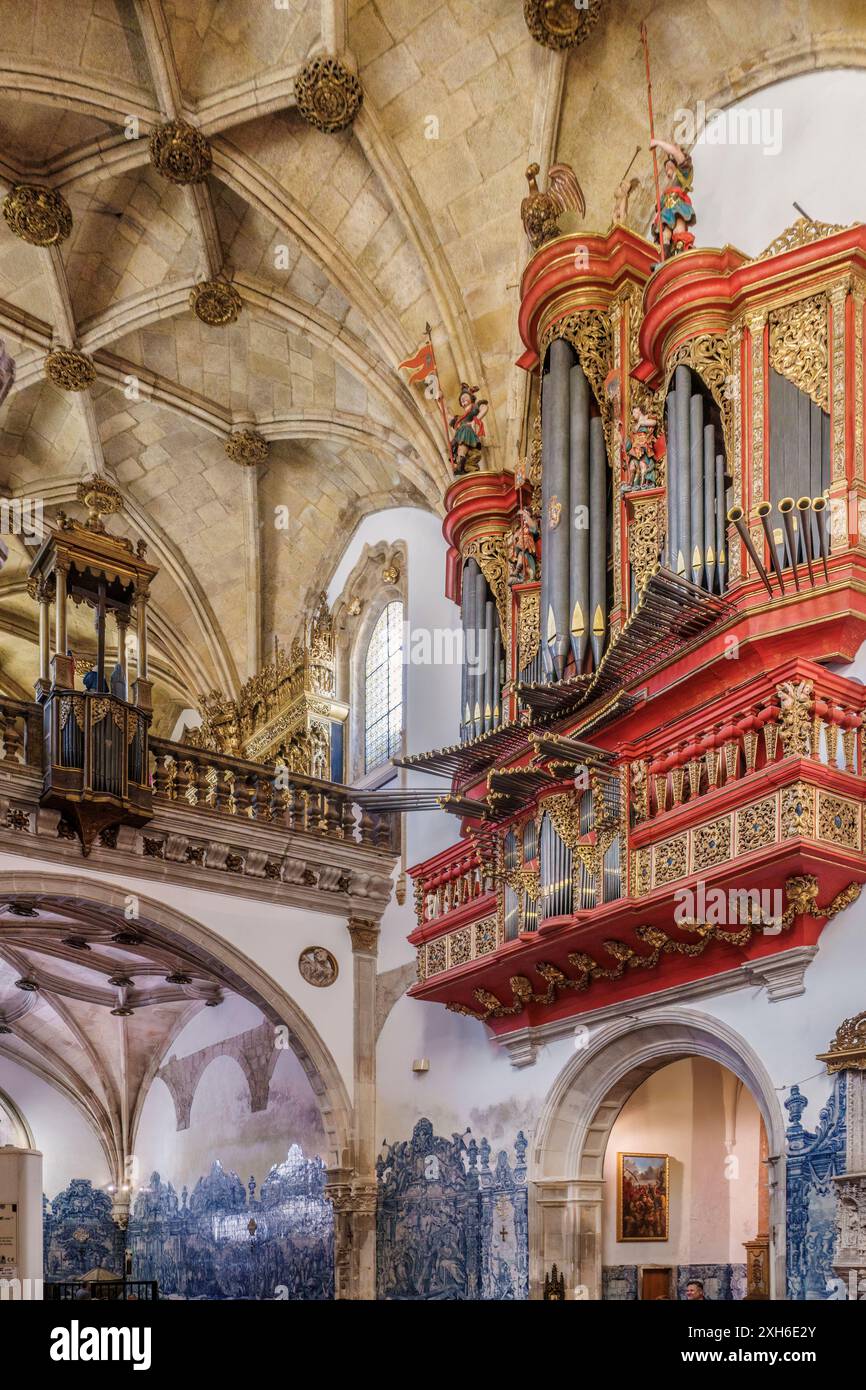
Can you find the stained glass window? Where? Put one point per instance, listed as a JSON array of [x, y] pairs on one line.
[[383, 680]]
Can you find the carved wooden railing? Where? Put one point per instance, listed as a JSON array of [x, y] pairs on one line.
[[796, 719], [289, 801], [21, 733], [456, 879]]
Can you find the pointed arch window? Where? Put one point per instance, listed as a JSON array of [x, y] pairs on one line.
[[383, 688]]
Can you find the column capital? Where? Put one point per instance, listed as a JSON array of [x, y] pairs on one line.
[[364, 933]]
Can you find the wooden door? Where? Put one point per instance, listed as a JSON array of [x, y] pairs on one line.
[[655, 1283]]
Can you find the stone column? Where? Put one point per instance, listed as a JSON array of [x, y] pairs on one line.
[[568, 1234], [847, 1054], [354, 1195]]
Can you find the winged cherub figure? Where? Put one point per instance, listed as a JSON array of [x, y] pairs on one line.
[[541, 211]]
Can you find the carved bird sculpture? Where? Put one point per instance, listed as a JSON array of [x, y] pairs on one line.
[[541, 211]]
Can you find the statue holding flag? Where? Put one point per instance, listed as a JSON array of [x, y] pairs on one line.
[[464, 431]]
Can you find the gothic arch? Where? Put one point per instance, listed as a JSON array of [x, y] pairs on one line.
[[24, 1138], [566, 1166], [319, 1065]]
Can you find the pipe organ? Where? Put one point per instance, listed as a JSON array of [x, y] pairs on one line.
[[575, 486], [697, 484], [658, 591]]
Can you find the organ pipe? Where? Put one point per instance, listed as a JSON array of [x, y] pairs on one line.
[[681, 463], [598, 537], [673, 481], [580, 514], [696, 471], [480, 650], [555, 872], [709, 506], [556, 510], [721, 512]]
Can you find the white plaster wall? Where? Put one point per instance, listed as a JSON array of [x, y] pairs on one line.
[[69, 1146], [685, 1110], [222, 1125], [744, 196]]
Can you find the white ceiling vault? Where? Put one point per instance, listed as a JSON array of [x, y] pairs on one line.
[[341, 246], [91, 1003]]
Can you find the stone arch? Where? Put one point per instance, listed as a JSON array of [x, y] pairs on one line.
[[24, 1137], [566, 1168], [253, 1051], [319, 1065]]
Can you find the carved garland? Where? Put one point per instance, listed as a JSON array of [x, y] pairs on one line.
[[801, 892], [799, 347]]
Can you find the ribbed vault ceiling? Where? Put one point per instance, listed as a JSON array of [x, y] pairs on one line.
[[341, 247]]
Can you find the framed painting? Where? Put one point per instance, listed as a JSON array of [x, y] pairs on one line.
[[642, 1197]]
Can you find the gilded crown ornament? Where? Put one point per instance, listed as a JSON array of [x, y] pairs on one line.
[[329, 96], [70, 369], [215, 302], [180, 153], [560, 23], [541, 211], [101, 498], [37, 215], [247, 447]]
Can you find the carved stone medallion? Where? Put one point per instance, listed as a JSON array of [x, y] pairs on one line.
[[560, 23], [329, 96], [215, 302], [318, 966], [70, 369], [37, 215], [180, 153]]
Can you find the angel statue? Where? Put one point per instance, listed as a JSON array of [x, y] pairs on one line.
[[676, 202], [541, 211]]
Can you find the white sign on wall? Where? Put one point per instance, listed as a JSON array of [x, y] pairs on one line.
[[8, 1236]]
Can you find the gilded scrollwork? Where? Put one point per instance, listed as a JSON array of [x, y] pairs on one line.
[[491, 556], [646, 537], [838, 820], [795, 719], [670, 860], [711, 844], [799, 348], [798, 810], [709, 356], [529, 629], [756, 825]]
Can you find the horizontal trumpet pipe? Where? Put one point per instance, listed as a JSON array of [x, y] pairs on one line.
[[735, 517], [786, 511], [763, 509], [804, 507], [819, 507]]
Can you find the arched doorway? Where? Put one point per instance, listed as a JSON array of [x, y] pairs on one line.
[[568, 1156]]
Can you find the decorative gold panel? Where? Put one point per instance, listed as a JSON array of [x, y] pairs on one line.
[[798, 810], [670, 860], [711, 844], [756, 825], [838, 820], [799, 347], [460, 946]]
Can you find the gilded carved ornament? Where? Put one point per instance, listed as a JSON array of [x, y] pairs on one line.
[[215, 302], [799, 347], [847, 1051], [561, 24], [801, 893], [710, 357], [329, 96], [490, 554], [38, 215], [803, 232], [180, 153], [70, 369], [646, 537], [590, 334], [528, 632], [247, 447]]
